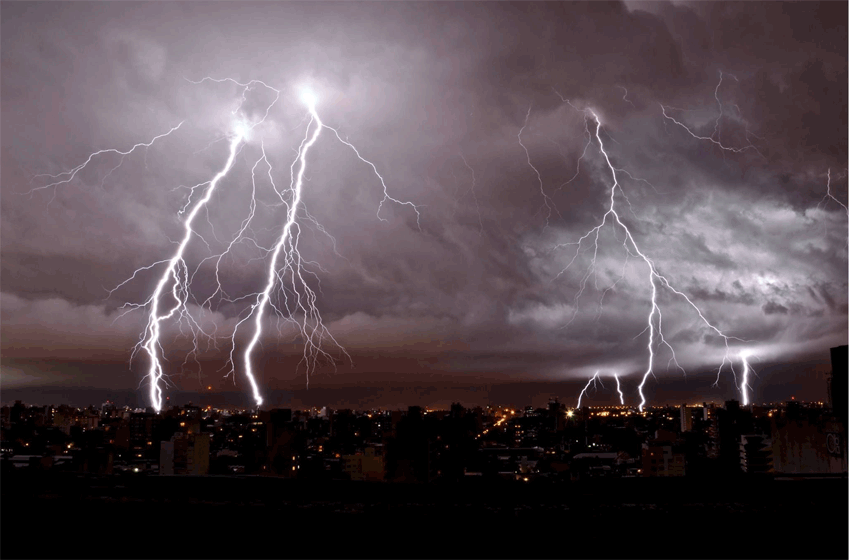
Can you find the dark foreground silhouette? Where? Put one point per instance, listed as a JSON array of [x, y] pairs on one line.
[[52, 515]]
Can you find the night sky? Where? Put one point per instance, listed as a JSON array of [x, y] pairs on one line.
[[435, 95]]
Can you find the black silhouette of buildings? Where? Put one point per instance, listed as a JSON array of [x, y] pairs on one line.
[[837, 383], [807, 442], [756, 454], [280, 444], [185, 453], [144, 430], [412, 453], [731, 424]]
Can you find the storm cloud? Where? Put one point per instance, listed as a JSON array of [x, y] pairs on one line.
[[435, 95]]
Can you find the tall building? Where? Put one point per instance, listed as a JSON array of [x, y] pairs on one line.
[[686, 418], [808, 444], [756, 454], [185, 454], [837, 383], [556, 415], [369, 465], [281, 457], [731, 423], [412, 453], [658, 459], [457, 411], [17, 412], [143, 429]]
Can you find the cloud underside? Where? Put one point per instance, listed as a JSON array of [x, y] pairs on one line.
[[435, 95]]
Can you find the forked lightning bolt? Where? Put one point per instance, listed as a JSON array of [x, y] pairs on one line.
[[176, 271], [287, 273], [655, 279], [745, 396], [714, 138], [593, 380], [617, 379], [548, 203], [829, 194], [67, 176]]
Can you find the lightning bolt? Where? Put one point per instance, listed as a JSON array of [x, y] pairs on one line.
[[287, 262], [547, 200], [716, 133], [625, 94], [617, 379], [67, 176], [829, 194], [592, 381], [311, 327], [287, 272], [745, 398], [655, 279], [179, 289]]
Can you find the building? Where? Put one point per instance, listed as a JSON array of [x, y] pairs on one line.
[[107, 409], [731, 422], [17, 412], [593, 464], [412, 452], [185, 454], [837, 383], [39, 462], [756, 454], [661, 460], [808, 446], [281, 457], [143, 428], [369, 465], [94, 460], [686, 418]]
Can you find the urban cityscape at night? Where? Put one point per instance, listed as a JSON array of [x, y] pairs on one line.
[[530, 464], [409, 279]]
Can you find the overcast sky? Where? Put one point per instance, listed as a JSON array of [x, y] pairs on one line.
[[731, 211]]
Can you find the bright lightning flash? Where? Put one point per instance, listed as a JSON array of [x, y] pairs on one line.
[[655, 279], [745, 397], [308, 98], [286, 290], [593, 381], [617, 379]]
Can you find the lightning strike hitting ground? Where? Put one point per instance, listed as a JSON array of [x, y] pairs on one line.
[[593, 381], [655, 279], [745, 397], [287, 273], [312, 329], [617, 379], [176, 270]]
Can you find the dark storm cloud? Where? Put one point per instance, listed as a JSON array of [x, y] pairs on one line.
[[433, 93], [772, 307]]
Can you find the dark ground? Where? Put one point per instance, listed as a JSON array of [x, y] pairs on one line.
[[47, 515]]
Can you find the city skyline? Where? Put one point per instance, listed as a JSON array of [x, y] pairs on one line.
[[503, 134]]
